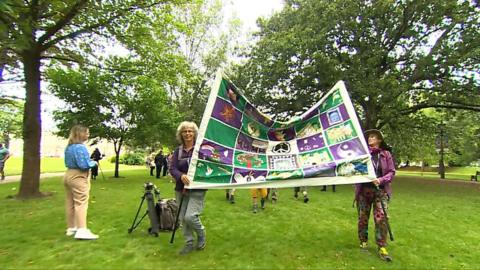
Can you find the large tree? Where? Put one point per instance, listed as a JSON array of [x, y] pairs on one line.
[[69, 30], [396, 57], [119, 104]]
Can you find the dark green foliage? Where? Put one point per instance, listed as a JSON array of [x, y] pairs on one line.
[[113, 159], [10, 120], [119, 104], [396, 57], [133, 158], [68, 31], [463, 134]]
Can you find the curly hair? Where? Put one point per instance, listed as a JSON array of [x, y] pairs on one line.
[[184, 125]]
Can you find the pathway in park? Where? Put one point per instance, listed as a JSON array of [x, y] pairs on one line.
[[16, 178]]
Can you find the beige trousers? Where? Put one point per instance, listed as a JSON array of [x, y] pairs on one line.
[[77, 188]]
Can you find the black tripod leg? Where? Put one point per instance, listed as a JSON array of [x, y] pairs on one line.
[[135, 219], [176, 219], [140, 220], [152, 214], [103, 176], [386, 220]]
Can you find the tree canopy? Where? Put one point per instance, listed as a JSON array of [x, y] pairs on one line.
[[122, 107], [142, 96], [206, 44], [397, 57], [33, 32]]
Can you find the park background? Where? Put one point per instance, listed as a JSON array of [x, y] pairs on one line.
[[133, 70]]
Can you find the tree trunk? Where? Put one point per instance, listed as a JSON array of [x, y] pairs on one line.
[[32, 127], [117, 147], [370, 121]]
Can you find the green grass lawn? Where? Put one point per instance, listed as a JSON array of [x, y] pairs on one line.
[[13, 165], [451, 173], [435, 225]]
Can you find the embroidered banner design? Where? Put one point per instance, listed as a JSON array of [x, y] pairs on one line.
[[239, 147]]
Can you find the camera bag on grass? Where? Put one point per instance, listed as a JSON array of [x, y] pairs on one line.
[[166, 209]]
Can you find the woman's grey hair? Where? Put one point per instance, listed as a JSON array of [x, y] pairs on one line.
[[184, 125]]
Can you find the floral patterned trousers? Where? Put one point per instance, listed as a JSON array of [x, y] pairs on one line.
[[367, 198]]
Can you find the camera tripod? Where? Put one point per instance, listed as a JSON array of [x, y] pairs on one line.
[[151, 210]]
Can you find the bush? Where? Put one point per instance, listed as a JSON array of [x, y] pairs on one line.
[[133, 158], [120, 159], [130, 158]]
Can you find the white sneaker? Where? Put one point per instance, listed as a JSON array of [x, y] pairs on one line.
[[71, 231], [85, 234]]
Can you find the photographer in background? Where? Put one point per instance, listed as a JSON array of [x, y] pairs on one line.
[[193, 199], [159, 158], [96, 156], [165, 164]]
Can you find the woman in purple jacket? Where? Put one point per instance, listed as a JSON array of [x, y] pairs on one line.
[[376, 192], [193, 199]]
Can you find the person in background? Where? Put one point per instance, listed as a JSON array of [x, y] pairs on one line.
[[4, 155], [375, 193], [263, 197], [165, 164], [159, 163], [325, 188], [274, 192], [77, 184], [303, 189], [230, 195], [95, 156], [193, 199], [150, 163]]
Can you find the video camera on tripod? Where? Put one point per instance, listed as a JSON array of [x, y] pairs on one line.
[[161, 213], [149, 187]]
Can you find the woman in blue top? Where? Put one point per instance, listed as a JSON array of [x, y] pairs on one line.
[[77, 183]]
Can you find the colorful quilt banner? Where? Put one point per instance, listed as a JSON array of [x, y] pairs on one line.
[[239, 147]]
